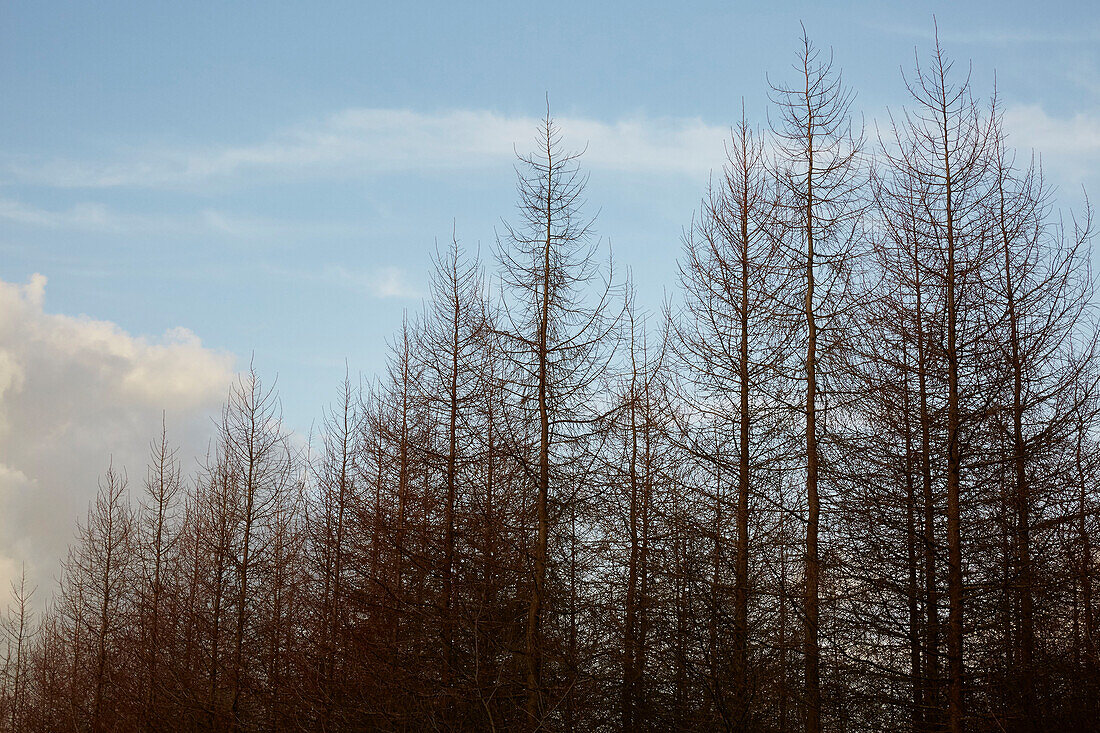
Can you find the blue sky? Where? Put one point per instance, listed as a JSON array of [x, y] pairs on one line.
[[273, 176]]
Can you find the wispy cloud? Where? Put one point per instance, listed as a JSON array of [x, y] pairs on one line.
[[987, 35], [364, 141], [382, 282], [85, 216], [246, 227], [92, 217], [1069, 145], [391, 282]]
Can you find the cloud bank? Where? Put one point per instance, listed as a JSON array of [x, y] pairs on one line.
[[362, 142], [365, 141], [76, 393]]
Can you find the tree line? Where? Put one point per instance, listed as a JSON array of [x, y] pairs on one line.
[[842, 481]]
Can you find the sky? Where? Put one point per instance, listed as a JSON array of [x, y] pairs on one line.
[[188, 187]]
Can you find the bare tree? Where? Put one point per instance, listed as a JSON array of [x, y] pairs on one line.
[[156, 537], [1041, 323], [260, 467], [555, 331], [945, 147], [19, 631], [732, 347], [96, 603], [452, 339], [329, 519], [819, 156]]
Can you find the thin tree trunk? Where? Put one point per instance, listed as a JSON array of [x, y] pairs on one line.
[[1021, 499], [955, 710], [813, 569], [932, 614], [917, 718], [741, 591], [630, 651], [534, 615]]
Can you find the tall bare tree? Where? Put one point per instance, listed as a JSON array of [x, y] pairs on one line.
[[96, 603], [556, 319], [19, 631], [452, 340], [732, 344], [156, 537], [329, 527], [945, 147], [260, 467], [819, 155]]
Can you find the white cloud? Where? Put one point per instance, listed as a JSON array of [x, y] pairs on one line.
[[86, 216], [379, 282], [91, 217], [987, 35], [385, 282], [358, 142], [73, 393], [267, 230], [362, 141], [1068, 145]]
